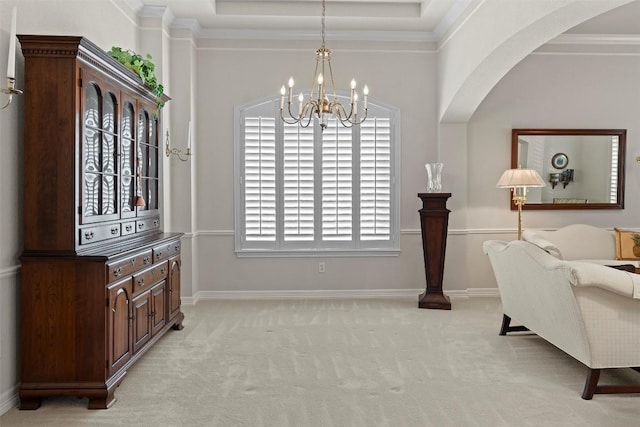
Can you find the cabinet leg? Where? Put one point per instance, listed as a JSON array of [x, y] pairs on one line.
[[177, 323], [29, 403], [101, 402]]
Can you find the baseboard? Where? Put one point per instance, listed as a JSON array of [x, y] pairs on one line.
[[8, 400], [332, 294]]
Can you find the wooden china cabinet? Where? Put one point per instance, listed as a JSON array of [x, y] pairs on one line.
[[100, 280]]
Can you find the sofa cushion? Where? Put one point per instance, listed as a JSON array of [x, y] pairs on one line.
[[625, 244], [577, 241], [542, 243]]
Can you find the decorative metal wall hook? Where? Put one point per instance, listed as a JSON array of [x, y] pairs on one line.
[[179, 153], [10, 90]]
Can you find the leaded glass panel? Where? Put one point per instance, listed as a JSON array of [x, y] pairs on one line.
[[143, 141], [108, 194], [152, 194], [127, 159], [91, 194], [91, 151]]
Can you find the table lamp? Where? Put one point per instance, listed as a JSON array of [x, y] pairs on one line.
[[518, 180]]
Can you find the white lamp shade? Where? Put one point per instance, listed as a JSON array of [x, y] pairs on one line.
[[512, 178]]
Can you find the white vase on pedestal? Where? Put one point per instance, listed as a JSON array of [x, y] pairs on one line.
[[434, 177]]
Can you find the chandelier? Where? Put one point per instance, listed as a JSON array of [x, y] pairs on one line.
[[321, 106]]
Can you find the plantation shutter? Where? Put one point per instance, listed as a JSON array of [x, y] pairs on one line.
[[337, 182], [298, 183], [306, 191], [375, 179], [260, 178]]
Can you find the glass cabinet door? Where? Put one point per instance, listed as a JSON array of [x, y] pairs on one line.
[[148, 152], [99, 155], [128, 160]]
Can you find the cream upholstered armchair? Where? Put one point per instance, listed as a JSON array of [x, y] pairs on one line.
[[590, 311]]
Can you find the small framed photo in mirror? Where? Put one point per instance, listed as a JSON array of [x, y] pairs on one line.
[[560, 161]]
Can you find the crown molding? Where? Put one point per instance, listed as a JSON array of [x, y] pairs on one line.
[[374, 36], [596, 39]]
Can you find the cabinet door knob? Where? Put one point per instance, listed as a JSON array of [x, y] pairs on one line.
[[128, 227], [141, 282], [117, 272], [163, 270], [155, 222], [88, 235], [159, 255], [133, 261], [140, 226], [177, 247], [146, 260], [114, 230]]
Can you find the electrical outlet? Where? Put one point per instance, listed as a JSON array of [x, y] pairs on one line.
[[321, 267]]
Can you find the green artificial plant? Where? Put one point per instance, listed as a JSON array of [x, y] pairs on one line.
[[143, 67]]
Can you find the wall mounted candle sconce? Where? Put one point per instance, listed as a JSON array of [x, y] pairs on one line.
[[565, 177], [184, 156], [11, 62], [10, 90]]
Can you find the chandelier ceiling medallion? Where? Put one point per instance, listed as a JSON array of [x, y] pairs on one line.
[[322, 107]]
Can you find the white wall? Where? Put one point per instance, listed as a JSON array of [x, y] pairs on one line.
[[550, 91], [231, 73]]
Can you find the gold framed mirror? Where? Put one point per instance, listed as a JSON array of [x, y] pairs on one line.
[[583, 168]]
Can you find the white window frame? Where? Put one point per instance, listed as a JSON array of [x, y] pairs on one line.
[[280, 248]]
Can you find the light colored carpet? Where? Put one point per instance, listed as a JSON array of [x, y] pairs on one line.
[[341, 363]]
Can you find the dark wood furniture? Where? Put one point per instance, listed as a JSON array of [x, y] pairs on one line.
[[434, 221], [100, 281]]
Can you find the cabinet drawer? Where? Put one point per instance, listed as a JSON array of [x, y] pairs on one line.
[[127, 266], [147, 224], [145, 279], [128, 228], [166, 250], [97, 234]]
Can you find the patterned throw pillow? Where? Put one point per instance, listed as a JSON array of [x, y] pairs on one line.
[[627, 244]]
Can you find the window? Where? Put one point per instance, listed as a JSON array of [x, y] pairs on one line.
[[300, 191], [613, 187]]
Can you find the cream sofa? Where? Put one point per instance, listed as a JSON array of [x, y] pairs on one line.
[[579, 242], [590, 311]]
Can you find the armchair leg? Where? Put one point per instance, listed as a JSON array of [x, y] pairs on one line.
[[591, 386], [506, 321]]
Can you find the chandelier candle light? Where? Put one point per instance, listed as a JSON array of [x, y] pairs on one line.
[[322, 107]]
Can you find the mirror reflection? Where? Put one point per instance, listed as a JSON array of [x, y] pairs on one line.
[[583, 168]]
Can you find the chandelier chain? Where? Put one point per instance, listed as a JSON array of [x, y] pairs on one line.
[[323, 14]]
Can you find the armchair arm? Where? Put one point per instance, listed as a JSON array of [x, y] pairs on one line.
[[610, 279]]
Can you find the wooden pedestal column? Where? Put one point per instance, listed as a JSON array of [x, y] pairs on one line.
[[434, 219]]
